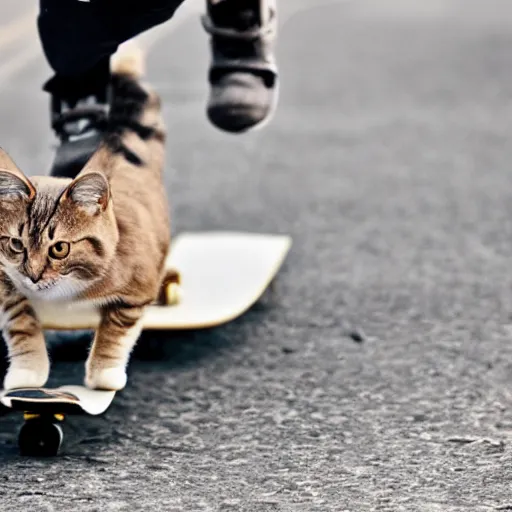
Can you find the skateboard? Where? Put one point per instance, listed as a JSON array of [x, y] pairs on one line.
[[44, 410], [211, 278], [219, 276]]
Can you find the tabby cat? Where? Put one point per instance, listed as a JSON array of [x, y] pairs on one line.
[[100, 239]]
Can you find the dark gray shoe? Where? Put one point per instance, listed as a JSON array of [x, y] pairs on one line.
[[78, 119], [243, 71]]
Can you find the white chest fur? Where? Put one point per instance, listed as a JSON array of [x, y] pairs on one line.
[[69, 312]]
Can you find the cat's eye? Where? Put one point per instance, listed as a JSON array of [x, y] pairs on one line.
[[16, 245], [59, 250]]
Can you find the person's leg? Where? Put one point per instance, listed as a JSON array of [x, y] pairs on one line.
[[78, 39], [243, 71]]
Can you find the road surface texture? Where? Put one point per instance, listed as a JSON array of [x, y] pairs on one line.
[[376, 376]]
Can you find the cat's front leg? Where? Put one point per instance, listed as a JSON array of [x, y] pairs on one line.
[[29, 364], [115, 338]]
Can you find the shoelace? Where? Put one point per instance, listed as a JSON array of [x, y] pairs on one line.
[[78, 120], [238, 33], [84, 116]]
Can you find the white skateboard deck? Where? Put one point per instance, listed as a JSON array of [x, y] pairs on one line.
[[222, 275], [65, 399]]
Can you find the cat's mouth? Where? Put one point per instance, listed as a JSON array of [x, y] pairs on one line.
[[40, 287], [57, 289], [46, 285]]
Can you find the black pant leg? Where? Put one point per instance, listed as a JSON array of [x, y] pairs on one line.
[[77, 37]]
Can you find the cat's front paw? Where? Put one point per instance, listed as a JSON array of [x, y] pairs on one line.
[[112, 379], [24, 378]]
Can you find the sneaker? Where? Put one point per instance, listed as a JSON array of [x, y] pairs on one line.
[[243, 71], [78, 119]]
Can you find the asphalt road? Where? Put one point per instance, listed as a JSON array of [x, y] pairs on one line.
[[389, 163]]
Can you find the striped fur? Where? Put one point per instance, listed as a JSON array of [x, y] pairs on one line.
[[101, 238]]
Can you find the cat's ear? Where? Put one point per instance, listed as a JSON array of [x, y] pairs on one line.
[[13, 183], [15, 186], [89, 191]]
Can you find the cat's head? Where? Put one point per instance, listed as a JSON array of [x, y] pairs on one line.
[[57, 236]]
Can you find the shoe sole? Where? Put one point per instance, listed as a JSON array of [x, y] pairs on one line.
[[261, 124], [273, 107]]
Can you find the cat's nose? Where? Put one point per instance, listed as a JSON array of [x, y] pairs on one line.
[[34, 273], [34, 277]]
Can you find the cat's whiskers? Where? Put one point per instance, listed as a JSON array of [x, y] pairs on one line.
[[61, 289], [54, 289]]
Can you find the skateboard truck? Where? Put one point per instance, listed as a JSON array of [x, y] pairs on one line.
[[44, 411], [170, 290]]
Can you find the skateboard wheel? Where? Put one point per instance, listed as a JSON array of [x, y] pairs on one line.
[[173, 294], [40, 438]]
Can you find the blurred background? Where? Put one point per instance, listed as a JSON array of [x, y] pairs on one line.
[[376, 376]]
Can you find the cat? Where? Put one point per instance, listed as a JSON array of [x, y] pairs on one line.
[[99, 239]]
